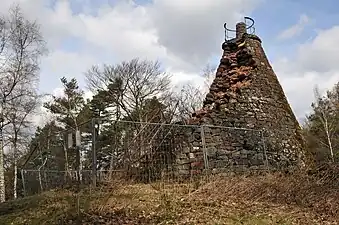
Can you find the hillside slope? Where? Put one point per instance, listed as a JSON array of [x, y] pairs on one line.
[[268, 199]]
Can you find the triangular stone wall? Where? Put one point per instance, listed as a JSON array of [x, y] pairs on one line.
[[247, 96]]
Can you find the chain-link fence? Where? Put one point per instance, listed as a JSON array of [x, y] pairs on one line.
[[142, 152]]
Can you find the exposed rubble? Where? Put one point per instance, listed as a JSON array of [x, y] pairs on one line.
[[246, 97]]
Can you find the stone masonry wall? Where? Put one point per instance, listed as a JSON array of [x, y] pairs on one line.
[[246, 95]]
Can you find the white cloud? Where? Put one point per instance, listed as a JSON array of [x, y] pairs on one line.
[[69, 62], [128, 30], [322, 52], [314, 65], [296, 29], [193, 30], [125, 30], [88, 95], [42, 115], [183, 35]]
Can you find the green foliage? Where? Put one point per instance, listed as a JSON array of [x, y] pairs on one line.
[[67, 107], [321, 130], [47, 143], [135, 91]]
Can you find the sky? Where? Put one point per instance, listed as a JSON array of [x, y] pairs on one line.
[[299, 38]]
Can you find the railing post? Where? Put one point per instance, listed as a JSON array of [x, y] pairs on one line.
[[204, 149]]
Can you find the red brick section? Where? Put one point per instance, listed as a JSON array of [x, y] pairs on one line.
[[246, 93]]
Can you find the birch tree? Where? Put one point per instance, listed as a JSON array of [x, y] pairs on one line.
[[322, 124], [19, 129], [325, 111], [21, 47]]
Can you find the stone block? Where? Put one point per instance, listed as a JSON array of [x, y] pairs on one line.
[[254, 167], [183, 167], [196, 144], [197, 164], [196, 172], [260, 156], [186, 150], [211, 151], [246, 94], [255, 162], [181, 156], [221, 164], [191, 155], [182, 161], [183, 172]]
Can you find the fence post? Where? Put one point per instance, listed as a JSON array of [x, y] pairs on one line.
[[204, 150], [23, 181], [94, 155]]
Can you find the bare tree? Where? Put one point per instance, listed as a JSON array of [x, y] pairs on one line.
[[190, 99], [325, 111], [130, 84], [19, 128], [21, 46], [208, 73]]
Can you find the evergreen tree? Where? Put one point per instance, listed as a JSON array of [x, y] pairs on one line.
[[45, 153], [69, 110]]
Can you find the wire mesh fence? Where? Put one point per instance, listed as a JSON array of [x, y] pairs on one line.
[[101, 150], [38, 181]]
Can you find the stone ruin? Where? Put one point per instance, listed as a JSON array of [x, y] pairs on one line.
[[245, 96]]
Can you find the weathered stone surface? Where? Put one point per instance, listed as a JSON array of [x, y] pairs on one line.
[[246, 94]]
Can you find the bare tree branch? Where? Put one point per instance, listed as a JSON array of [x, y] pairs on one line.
[[21, 47]]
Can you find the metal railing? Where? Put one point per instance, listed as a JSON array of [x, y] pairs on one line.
[[144, 152]]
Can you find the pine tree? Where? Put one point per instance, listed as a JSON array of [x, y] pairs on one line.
[[68, 109]]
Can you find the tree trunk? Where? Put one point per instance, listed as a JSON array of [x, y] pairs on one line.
[[40, 180], [329, 140], [115, 146], [66, 162], [2, 170], [80, 164], [15, 180], [77, 162], [15, 184]]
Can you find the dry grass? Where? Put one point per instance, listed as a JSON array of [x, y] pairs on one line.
[[257, 199]]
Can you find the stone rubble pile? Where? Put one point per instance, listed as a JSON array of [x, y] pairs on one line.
[[245, 103], [233, 74]]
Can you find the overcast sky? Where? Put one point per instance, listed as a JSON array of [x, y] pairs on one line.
[[299, 37]]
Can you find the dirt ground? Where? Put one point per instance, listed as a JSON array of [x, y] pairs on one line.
[[269, 199]]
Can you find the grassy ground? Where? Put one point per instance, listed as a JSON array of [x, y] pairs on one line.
[[231, 200]]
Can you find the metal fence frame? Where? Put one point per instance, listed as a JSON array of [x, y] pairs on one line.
[[94, 172]]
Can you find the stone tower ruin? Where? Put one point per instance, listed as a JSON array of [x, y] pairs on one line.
[[246, 97]]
